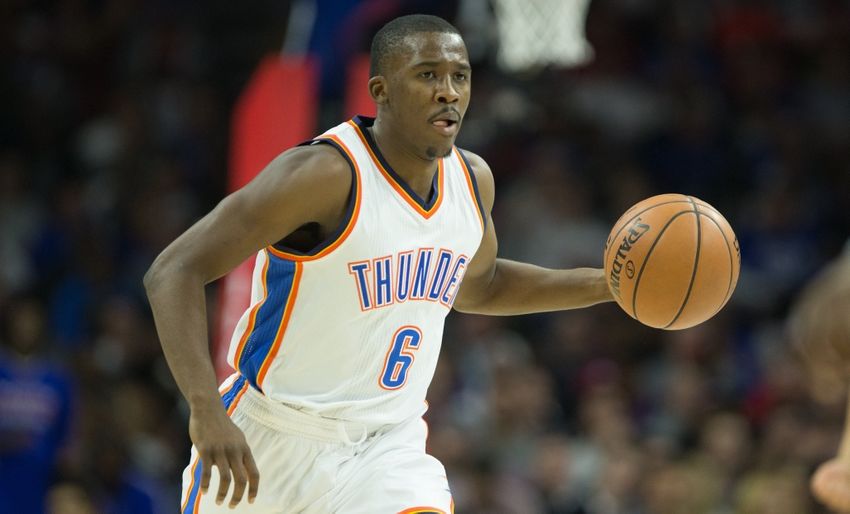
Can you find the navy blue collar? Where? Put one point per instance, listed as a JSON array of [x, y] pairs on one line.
[[364, 123]]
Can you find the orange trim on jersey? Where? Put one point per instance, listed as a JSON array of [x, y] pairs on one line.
[[468, 176], [351, 221], [223, 392], [238, 397], [422, 510], [191, 483], [452, 506], [252, 318], [284, 321], [395, 185]]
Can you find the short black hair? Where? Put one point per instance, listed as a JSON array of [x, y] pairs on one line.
[[391, 36]]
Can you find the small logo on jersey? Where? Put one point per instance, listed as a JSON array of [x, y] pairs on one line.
[[421, 274]]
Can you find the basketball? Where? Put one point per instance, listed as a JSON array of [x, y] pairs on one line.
[[672, 261]]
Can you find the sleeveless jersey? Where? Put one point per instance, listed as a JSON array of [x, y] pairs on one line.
[[352, 330]]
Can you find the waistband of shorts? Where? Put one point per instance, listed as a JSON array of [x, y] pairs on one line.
[[285, 418]]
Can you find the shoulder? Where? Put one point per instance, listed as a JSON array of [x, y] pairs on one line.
[[318, 168], [313, 182], [314, 162], [483, 176]]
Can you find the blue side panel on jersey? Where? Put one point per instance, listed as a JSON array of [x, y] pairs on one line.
[[230, 395], [279, 281], [196, 487]]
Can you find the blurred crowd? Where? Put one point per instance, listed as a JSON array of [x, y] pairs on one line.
[[113, 141]]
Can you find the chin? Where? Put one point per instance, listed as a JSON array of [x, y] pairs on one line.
[[433, 152]]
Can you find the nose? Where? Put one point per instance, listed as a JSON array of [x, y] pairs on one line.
[[446, 92]]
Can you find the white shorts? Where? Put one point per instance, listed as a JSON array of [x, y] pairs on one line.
[[311, 465]]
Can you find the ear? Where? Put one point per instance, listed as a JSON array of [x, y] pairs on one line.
[[378, 89]]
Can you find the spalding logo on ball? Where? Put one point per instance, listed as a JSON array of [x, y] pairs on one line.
[[672, 261]]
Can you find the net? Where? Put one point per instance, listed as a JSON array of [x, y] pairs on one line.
[[537, 33]]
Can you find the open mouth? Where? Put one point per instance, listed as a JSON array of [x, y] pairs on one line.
[[445, 127]]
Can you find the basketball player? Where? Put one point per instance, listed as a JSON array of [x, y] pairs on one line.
[[820, 323], [364, 238]]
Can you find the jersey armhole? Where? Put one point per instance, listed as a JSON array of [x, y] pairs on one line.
[[347, 222]]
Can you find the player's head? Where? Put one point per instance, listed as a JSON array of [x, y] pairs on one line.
[[421, 81]]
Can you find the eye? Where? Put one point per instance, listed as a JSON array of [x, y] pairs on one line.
[[460, 77], [427, 74]]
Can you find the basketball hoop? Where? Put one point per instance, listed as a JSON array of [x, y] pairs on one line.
[[537, 33]]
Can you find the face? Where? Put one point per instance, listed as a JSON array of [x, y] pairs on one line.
[[425, 92]]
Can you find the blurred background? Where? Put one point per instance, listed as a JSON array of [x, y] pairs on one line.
[[117, 133]]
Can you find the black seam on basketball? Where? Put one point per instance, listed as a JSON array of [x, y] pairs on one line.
[[731, 264], [696, 264], [708, 207], [625, 223], [628, 221], [729, 289], [646, 259]]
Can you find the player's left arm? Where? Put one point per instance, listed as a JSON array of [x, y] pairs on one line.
[[503, 287], [821, 329]]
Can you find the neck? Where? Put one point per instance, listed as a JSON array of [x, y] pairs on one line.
[[416, 171]]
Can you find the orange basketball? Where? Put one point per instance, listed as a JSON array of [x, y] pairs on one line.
[[672, 261]]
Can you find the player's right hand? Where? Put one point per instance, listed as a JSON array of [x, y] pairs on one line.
[[831, 485], [220, 443]]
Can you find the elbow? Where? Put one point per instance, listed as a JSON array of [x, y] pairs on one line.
[[172, 271], [468, 305], [463, 308], [154, 277], [476, 297], [162, 271], [480, 294]]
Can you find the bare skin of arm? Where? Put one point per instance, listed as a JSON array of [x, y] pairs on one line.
[[831, 482], [304, 184], [503, 287], [820, 326]]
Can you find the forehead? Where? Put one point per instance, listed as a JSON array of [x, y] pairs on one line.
[[432, 47]]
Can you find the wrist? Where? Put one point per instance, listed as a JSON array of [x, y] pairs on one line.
[[603, 292], [203, 403]]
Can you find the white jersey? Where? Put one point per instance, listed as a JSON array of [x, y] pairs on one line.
[[353, 329]]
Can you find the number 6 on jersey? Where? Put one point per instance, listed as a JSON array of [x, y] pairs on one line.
[[400, 356]]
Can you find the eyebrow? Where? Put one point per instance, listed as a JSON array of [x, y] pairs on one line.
[[433, 64]]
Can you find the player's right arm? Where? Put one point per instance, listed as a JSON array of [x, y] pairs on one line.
[[304, 184]]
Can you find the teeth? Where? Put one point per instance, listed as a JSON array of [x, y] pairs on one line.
[[441, 123]]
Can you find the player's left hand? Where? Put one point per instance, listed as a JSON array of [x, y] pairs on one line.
[[831, 485]]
